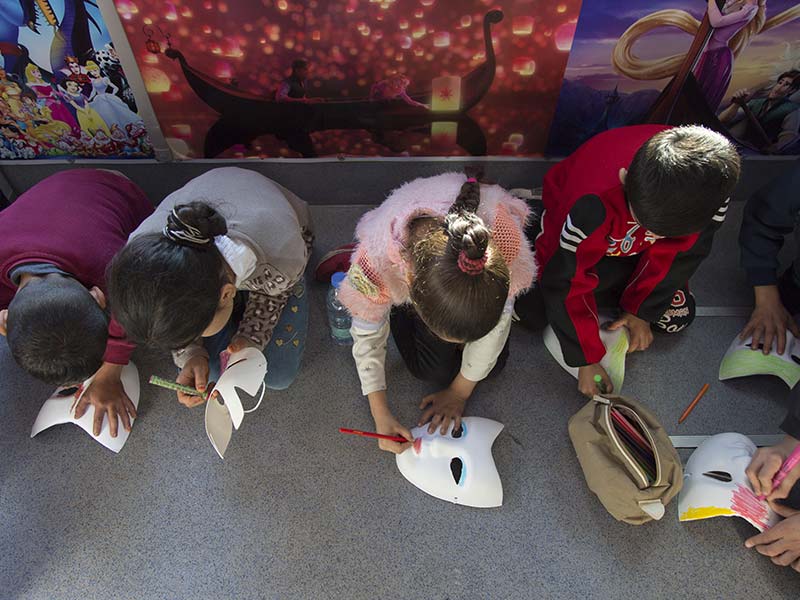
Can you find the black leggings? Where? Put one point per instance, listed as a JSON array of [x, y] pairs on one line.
[[426, 355]]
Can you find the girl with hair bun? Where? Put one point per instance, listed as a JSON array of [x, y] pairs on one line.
[[217, 267], [438, 265]]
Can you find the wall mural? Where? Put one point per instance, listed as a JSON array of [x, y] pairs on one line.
[[63, 92], [732, 65], [352, 77]]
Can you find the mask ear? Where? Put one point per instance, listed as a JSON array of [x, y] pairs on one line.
[[4, 322], [99, 296]]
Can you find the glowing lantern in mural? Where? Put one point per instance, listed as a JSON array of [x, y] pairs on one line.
[[182, 130], [170, 13], [151, 45], [126, 9], [522, 25], [419, 31], [524, 65], [222, 70], [516, 139], [402, 24], [446, 94], [444, 133], [283, 5], [466, 21], [405, 42], [441, 39], [508, 149], [426, 2], [155, 80], [564, 36], [230, 47]]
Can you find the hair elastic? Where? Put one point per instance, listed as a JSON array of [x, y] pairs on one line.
[[471, 180], [186, 233], [471, 266]]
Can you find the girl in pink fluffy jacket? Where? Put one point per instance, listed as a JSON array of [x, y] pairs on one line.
[[438, 264]]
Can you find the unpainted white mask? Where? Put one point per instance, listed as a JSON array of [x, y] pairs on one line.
[[458, 468], [60, 409]]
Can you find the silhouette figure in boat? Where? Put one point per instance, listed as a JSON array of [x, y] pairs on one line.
[[245, 116]]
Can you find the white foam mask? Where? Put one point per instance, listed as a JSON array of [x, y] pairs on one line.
[[245, 372], [58, 410], [457, 469], [615, 342], [742, 361], [715, 484]]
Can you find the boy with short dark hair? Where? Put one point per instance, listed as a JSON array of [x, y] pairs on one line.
[[628, 218], [58, 238]]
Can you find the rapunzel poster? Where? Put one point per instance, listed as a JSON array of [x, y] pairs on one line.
[[732, 65], [285, 78]]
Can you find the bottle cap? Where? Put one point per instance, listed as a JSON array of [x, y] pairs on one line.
[[337, 278]]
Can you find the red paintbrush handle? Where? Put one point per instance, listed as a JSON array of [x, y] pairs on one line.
[[369, 434]]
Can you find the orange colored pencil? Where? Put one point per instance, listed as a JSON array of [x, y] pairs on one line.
[[690, 408]]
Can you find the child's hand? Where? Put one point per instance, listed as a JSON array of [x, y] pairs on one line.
[[769, 321], [639, 330], [108, 397], [194, 374], [588, 386], [240, 342], [765, 465], [386, 424], [781, 543], [443, 407]]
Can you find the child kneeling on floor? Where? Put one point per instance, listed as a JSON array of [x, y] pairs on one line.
[[438, 264], [628, 218], [57, 240], [218, 267]]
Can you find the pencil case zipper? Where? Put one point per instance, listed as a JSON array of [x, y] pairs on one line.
[[631, 462], [650, 439]]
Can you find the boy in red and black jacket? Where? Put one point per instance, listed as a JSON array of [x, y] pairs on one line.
[[627, 220]]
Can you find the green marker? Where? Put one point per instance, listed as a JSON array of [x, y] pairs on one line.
[[172, 385], [600, 384]]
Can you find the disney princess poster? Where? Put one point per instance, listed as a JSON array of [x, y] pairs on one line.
[[63, 91], [742, 71]]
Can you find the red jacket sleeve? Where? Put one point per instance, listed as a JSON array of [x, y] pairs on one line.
[[118, 348], [568, 282]]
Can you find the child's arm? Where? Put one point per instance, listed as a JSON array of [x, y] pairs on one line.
[[105, 392], [568, 282], [479, 357], [261, 314], [769, 215], [664, 268], [369, 352]]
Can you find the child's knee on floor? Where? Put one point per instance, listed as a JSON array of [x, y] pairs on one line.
[[679, 315]]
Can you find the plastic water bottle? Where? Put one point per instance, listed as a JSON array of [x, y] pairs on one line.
[[338, 316]]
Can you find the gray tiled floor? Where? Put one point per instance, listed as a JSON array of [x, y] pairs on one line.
[[299, 511]]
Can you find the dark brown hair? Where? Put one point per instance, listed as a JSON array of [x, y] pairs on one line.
[[458, 304], [680, 178], [164, 287]]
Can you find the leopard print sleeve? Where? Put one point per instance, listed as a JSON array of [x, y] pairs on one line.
[[261, 315]]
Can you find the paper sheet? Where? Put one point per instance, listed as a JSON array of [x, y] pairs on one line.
[[616, 343]]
